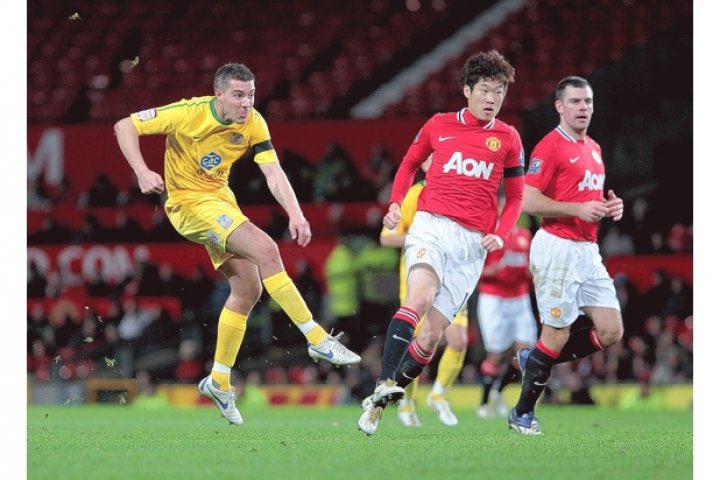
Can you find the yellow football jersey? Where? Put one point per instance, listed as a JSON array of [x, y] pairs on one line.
[[200, 147], [408, 207]]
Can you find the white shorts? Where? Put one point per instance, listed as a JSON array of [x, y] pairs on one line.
[[453, 251], [504, 321], [568, 275]]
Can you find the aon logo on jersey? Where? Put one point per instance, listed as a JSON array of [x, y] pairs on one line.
[[592, 181], [468, 166]]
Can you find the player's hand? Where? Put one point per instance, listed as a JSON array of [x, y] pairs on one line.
[[615, 206], [491, 242], [392, 217], [150, 182], [300, 230], [592, 211]]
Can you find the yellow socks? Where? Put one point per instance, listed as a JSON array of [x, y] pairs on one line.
[[282, 289], [231, 330], [449, 368]]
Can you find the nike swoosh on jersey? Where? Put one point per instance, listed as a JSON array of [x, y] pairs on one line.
[[442, 139], [574, 159], [326, 355]]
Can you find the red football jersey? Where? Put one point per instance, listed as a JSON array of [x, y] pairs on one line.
[[568, 170], [513, 278], [469, 160]]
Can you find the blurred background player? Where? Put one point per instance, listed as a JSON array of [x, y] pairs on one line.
[[453, 357], [505, 316], [205, 136], [456, 222], [565, 182]]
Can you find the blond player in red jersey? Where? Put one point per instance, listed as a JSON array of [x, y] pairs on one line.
[[564, 184], [204, 137], [456, 221]]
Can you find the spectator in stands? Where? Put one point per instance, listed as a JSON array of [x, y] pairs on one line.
[[126, 229], [343, 291], [38, 326], [382, 169], [190, 368], [146, 278], [97, 286], [37, 283], [638, 224], [337, 180], [91, 231], [134, 321], [198, 288], [205, 137], [171, 283], [102, 193], [51, 231], [616, 242], [161, 229], [39, 361]]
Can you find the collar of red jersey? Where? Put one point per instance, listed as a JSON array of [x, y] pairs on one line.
[[466, 117]]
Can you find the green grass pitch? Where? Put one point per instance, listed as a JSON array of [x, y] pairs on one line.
[[128, 443]]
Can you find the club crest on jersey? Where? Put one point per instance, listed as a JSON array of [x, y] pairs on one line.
[[534, 168], [224, 221], [237, 138], [596, 157], [210, 161], [213, 238], [421, 253], [146, 114], [493, 144]]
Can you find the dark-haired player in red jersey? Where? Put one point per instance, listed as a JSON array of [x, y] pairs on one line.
[[564, 184], [456, 221]]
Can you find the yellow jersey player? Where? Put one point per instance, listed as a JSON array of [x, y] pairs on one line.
[[453, 357], [204, 137]]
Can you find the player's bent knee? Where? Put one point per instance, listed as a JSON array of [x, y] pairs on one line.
[[610, 336]]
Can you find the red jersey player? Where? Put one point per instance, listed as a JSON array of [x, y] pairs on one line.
[[505, 316], [456, 221], [565, 182]]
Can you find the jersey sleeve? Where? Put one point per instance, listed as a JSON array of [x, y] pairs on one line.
[[542, 166], [260, 141], [161, 120], [513, 184], [417, 153]]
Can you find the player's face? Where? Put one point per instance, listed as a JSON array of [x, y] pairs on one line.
[[575, 108], [485, 98], [236, 101]]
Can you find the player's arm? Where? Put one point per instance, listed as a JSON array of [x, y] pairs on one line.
[[283, 192], [537, 203], [128, 139], [391, 239], [405, 175]]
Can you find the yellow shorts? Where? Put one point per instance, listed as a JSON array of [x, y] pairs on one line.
[[207, 219]]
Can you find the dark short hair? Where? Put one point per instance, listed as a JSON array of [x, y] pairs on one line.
[[573, 81], [235, 71], [489, 65]]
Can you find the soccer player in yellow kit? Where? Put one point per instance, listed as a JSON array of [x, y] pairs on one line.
[[204, 137], [453, 357]]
